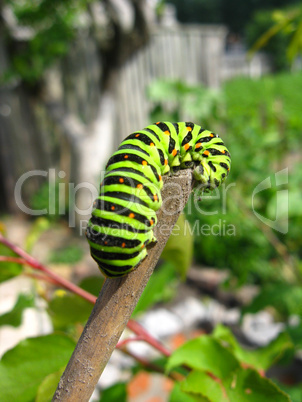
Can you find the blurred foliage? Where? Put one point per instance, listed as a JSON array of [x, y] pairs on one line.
[[51, 25], [8, 269], [294, 392], [235, 14], [67, 309], [283, 29], [48, 386], [39, 226], [50, 201], [117, 392], [30, 362], [276, 48], [66, 255], [161, 287], [14, 316], [261, 123], [179, 248], [230, 379], [286, 300], [176, 99], [261, 358], [92, 284]]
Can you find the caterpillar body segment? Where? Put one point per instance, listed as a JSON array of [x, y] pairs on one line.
[[124, 216]]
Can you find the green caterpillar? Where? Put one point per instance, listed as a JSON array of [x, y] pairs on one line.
[[124, 213]]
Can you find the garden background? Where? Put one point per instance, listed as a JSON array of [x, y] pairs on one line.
[[76, 78]]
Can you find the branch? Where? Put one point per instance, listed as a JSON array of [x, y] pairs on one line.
[[117, 300], [140, 331], [57, 280], [124, 342], [32, 262], [152, 366]]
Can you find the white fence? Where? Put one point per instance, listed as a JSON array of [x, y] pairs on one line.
[[193, 54], [235, 64], [77, 125]]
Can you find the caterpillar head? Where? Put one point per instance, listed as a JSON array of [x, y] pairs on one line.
[[212, 160], [212, 173]]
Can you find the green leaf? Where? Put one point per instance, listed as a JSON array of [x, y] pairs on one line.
[[261, 358], [295, 45], [92, 284], [48, 386], [294, 392], [8, 269], [178, 395], [24, 367], [14, 317], [295, 333], [161, 287], [204, 353], [117, 392], [198, 382], [179, 248], [272, 31], [67, 309], [249, 386]]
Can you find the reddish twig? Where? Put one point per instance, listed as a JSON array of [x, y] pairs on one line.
[[140, 331], [4, 258], [59, 281], [124, 342], [173, 375], [31, 261], [40, 277]]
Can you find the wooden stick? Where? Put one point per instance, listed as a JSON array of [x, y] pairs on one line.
[[117, 300]]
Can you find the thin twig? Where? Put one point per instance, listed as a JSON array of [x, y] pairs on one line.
[[124, 342], [59, 281], [31, 261], [116, 302], [140, 331], [17, 260], [152, 366]]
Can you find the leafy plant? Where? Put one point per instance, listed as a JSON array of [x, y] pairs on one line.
[[208, 368], [179, 248], [262, 23], [220, 370], [52, 27], [185, 101], [30, 362], [14, 317], [262, 122], [284, 24], [48, 201], [161, 287]]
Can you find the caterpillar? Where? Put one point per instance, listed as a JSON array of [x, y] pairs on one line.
[[123, 218]]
